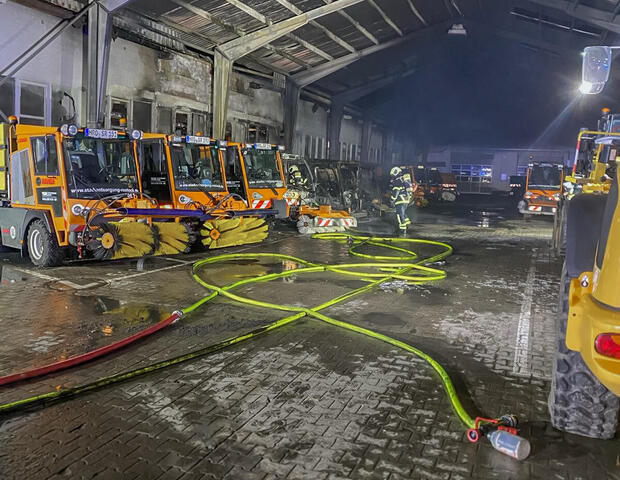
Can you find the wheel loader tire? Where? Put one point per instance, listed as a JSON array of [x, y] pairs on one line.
[[43, 249], [578, 402]]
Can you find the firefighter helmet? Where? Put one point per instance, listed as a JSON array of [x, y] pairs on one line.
[[396, 171]]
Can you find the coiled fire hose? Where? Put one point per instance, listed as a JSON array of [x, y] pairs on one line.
[[406, 266]]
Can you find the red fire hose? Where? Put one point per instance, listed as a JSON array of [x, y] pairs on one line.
[[88, 356]]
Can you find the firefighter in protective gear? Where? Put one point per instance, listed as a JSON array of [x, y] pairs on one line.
[[402, 194], [296, 179]]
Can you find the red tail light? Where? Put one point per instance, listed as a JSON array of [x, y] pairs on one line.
[[608, 344]]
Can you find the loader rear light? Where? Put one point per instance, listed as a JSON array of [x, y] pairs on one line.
[[529, 195], [608, 344]]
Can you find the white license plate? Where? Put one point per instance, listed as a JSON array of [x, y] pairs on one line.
[[99, 133]]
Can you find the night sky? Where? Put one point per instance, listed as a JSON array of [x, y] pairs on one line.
[[488, 91]]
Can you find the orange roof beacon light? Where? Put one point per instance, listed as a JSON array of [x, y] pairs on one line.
[[605, 111], [13, 120]]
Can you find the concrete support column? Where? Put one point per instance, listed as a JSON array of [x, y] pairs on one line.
[[334, 125], [222, 71], [98, 55], [366, 134], [291, 106]]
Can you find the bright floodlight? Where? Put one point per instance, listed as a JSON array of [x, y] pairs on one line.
[[585, 87], [595, 69], [589, 88]]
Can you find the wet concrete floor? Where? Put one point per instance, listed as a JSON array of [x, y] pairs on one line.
[[307, 400]]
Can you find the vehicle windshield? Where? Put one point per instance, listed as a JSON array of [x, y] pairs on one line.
[[196, 167], [99, 167], [305, 175], [262, 168], [545, 176], [420, 175], [327, 180], [434, 177], [349, 179]]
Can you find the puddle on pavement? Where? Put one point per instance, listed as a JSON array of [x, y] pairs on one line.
[[9, 276], [233, 271], [62, 323]]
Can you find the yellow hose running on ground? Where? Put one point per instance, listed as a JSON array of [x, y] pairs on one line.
[[405, 266]]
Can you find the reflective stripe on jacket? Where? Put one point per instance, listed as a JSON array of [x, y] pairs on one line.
[[401, 191]]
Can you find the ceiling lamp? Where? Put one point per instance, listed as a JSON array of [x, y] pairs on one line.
[[457, 29]]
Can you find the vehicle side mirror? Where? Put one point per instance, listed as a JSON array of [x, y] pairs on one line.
[[595, 69]]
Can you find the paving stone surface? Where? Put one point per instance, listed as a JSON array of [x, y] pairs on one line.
[[308, 400]]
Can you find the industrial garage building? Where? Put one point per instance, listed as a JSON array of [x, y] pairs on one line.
[[309, 239]]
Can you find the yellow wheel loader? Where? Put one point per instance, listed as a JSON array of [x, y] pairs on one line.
[[186, 173], [586, 371], [70, 192], [589, 173]]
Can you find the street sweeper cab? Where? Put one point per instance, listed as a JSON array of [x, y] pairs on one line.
[[449, 187], [308, 207], [75, 192], [299, 183], [543, 189], [186, 173], [349, 183], [254, 172]]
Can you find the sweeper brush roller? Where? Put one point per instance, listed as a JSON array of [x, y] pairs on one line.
[[172, 238], [116, 240], [230, 232]]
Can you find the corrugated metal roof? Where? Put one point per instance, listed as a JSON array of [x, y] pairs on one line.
[[204, 24], [228, 17]]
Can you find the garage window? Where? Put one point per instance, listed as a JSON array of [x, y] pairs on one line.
[[32, 102], [141, 116], [473, 178], [7, 97], [199, 123], [164, 119], [119, 110]]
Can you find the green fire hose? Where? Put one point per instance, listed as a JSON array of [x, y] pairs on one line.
[[404, 266]]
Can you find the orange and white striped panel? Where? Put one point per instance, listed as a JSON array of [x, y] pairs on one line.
[[323, 222], [261, 203], [534, 208]]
